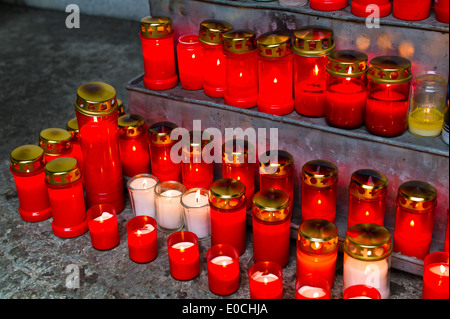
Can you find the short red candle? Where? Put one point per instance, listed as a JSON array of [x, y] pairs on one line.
[[133, 145], [362, 8], [441, 7], [367, 197], [103, 226], [77, 153], [142, 239], [158, 53], [311, 48], [223, 269], [312, 286], [361, 292], [241, 68], [265, 280], [183, 255], [411, 10], [435, 276], [228, 213], [271, 215], [328, 5], [66, 194], [56, 143], [160, 146], [416, 202], [27, 167], [190, 62], [319, 190]]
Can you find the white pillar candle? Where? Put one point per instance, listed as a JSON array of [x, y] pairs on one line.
[[169, 214], [142, 195], [196, 212], [222, 260]]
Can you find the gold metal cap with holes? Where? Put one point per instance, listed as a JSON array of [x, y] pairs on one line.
[[390, 70], [156, 27], [131, 125], [283, 166], [55, 141], [238, 152], [347, 63], [368, 184], [313, 41], [274, 45], [197, 141], [96, 99], [320, 173], [227, 194], [159, 133], [369, 242], [271, 205], [417, 196], [120, 107], [318, 236], [211, 31], [62, 171], [239, 41], [73, 129], [27, 159]]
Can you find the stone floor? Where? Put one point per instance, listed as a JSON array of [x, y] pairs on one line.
[[42, 63]]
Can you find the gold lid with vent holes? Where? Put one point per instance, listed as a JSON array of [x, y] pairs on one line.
[[156, 27], [271, 205], [131, 125], [96, 99], [227, 194], [318, 236], [417, 195], [211, 31], [368, 184], [159, 133], [73, 129], [283, 165], [274, 45], [369, 242], [55, 141], [62, 171], [239, 41], [320, 173], [27, 159]]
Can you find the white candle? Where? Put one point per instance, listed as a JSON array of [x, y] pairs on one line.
[[311, 292], [259, 276], [222, 260], [197, 213], [183, 245], [169, 211], [142, 195], [104, 216]]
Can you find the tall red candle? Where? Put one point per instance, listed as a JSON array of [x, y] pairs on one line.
[[265, 280], [411, 10], [328, 5], [56, 143], [142, 239], [441, 8], [190, 62], [158, 53], [77, 153], [183, 255], [27, 167], [223, 269], [103, 226], [363, 8], [312, 286], [416, 202], [435, 276]]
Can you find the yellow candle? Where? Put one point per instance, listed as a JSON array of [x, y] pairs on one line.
[[426, 121]]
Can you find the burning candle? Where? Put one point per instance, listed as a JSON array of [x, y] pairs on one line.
[[169, 212], [223, 269], [411, 10], [142, 239], [195, 204], [103, 226], [56, 143], [77, 153], [364, 8], [190, 62], [361, 292], [441, 8], [416, 202], [141, 189], [311, 286], [266, 280], [435, 276], [328, 5], [183, 255]]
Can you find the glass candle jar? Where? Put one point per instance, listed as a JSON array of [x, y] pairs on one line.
[[364, 8], [387, 101], [96, 110], [77, 153], [367, 197], [311, 47], [319, 190], [184, 260], [66, 194], [169, 212], [317, 249], [142, 239], [27, 167], [141, 189], [441, 8], [265, 280], [103, 226], [158, 53], [228, 204], [328, 5], [312, 286], [211, 38], [275, 74], [196, 210], [435, 276], [56, 143], [241, 68], [190, 62], [411, 10], [367, 257], [133, 145], [223, 269], [427, 106], [346, 89], [416, 202], [160, 145]]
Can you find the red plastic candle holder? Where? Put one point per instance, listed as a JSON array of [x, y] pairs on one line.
[[411, 10], [77, 153], [275, 74], [223, 269], [311, 286], [56, 143], [96, 111], [416, 203], [435, 276], [361, 292], [228, 204], [158, 52], [27, 167], [441, 8], [241, 68], [328, 5], [133, 145], [319, 190], [311, 48], [66, 194], [265, 280], [364, 8], [367, 197], [142, 239], [190, 62], [103, 226], [183, 255], [346, 89]]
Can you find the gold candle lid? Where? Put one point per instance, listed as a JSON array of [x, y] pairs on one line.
[[284, 164], [156, 27], [211, 31], [271, 205], [62, 171], [313, 41], [227, 193], [390, 70], [73, 129], [369, 242], [55, 141], [318, 236], [347, 63], [27, 159], [274, 45], [368, 184], [159, 133], [96, 99], [120, 107], [238, 152], [417, 196], [131, 125], [320, 173], [239, 41]]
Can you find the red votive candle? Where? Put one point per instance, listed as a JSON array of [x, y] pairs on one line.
[[367, 197], [160, 146], [265, 280], [361, 292], [241, 68], [183, 255], [190, 62], [27, 167], [271, 217], [416, 202], [77, 153], [275, 74], [66, 194], [133, 145], [435, 276], [223, 269], [103, 226], [364, 8], [328, 5], [211, 38], [56, 143], [228, 204], [312, 286], [142, 239], [411, 10], [319, 190], [346, 89], [311, 48], [96, 110], [158, 53], [441, 8]]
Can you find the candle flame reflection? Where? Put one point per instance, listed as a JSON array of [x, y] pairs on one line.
[[412, 223], [319, 202], [316, 70], [193, 56], [275, 80]]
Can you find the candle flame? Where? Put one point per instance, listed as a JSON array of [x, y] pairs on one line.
[[95, 119], [315, 295], [319, 202], [134, 148], [412, 223], [218, 62], [197, 196], [266, 281], [224, 264], [240, 74], [138, 232], [316, 245], [144, 183], [275, 80], [316, 70], [442, 269], [193, 56], [367, 213]]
